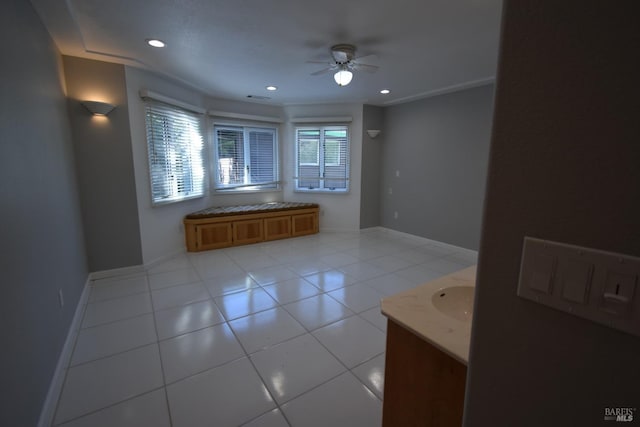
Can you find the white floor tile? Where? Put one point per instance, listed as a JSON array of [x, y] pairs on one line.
[[367, 252], [104, 382], [272, 418], [467, 258], [118, 288], [243, 303], [307, 265], [362, 270], [148, 410], [352, 340], [390, 263], [198, 351], [317, 311], [179, 262], [351, 405], [212, 263], [358, 297], [255, 262], [295, 366], [226, 396], [210, 312], [226, 268], [173, 278], [229, 283], [339, 259], [445, 265], [376, 318], [179, 295], [291, 290], [391, 284], [187, 318], [116, 309], [115, 337], [269, 275], [265, 329], [330, 280], [371, 373], [414, 256], [418, 274]]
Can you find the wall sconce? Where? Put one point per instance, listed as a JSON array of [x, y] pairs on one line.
[[98, 108], [373, 133]]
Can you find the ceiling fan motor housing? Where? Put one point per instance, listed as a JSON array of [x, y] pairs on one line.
[[343, 53]]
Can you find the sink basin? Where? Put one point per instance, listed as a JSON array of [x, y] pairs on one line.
[[455, 301]]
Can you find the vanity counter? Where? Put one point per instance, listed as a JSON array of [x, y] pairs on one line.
[[415, 311]]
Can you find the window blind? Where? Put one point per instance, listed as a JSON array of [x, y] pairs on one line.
[[322, 158], [245, 158], [175, 144]]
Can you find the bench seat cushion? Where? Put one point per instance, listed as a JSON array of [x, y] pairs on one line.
[[220, 211]]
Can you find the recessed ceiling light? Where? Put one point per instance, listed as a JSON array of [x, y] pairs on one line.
[[155, 43], [272, 88], [385, 91]]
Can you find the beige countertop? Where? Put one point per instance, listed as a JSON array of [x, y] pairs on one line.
[[414, 310]]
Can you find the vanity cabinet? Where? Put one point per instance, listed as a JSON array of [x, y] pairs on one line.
[[427, 352], [422, 385]]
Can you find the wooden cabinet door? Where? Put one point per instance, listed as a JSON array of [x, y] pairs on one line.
[[212, 236], [277, 228], [248, 231], [304, 224]]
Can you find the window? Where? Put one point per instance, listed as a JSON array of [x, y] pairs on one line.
[[245, 158], [175, 143], [322, 159]]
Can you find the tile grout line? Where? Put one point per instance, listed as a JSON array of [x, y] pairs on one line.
[[164, 377]]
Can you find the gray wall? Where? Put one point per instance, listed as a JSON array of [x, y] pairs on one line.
[[440, 147], [41, 239], [105, 164], [372, 118], [564, 166]]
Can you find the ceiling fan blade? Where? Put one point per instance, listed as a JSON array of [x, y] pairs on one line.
[[367, 58], [365, 67], [324, 71], [320, 62]]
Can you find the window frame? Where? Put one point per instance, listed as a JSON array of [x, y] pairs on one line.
[[196, 171], [246, 187], [322, 157]]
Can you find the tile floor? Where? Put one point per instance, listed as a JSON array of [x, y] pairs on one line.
[[284, 333]]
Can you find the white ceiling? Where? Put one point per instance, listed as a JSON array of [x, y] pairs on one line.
[[234, 48]]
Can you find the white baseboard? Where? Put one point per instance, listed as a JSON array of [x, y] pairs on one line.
[[164, 258], [423, 240], [55, 388], [105, 274]]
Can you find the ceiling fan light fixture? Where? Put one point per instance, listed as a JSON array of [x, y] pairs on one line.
[[385, 91], [343, 77]]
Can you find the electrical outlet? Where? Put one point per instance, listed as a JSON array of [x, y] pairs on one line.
[[60, 298], [395, 215], [398, 173], [390, 190]]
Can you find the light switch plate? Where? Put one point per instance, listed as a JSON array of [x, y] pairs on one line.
[[593, 284]]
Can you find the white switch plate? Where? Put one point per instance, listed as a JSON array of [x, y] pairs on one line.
[[596, 285]]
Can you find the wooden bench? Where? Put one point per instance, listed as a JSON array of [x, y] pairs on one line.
[[221, 227]]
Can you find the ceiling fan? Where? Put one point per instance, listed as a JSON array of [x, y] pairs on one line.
[[345, 63]]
